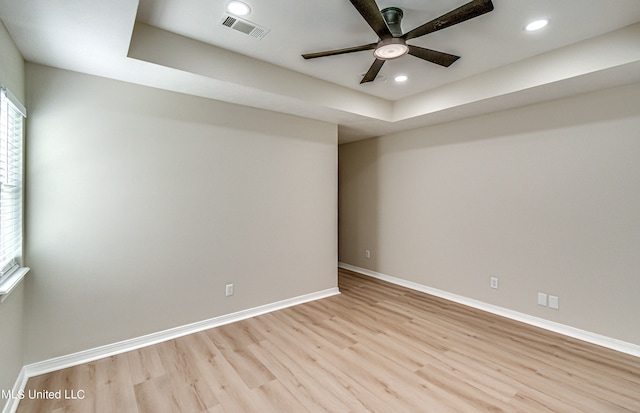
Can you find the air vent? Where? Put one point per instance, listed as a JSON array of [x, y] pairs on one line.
[[244, 26]]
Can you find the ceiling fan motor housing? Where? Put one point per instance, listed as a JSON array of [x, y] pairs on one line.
[[393, 17]]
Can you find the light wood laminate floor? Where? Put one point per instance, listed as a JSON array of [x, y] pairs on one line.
[[376, 347]]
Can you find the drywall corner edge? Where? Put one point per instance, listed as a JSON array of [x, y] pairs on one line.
[[12, 402]]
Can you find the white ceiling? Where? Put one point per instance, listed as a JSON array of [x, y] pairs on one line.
[[180, 45]]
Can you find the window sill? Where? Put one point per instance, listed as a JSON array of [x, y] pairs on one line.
[[11, 282]]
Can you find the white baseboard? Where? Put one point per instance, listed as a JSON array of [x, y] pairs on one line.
[[85, 356], [589, 337]]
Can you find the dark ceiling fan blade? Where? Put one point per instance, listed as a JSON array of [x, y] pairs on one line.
[[433, 56], [373, 71], [370, 46], [468, 11], [368, 9]]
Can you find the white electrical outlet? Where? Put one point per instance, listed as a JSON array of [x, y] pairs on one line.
[[367, 254], [494, 282], [542, 299], [228, 290], [553, 302]]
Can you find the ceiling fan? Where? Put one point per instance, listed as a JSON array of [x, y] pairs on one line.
[[393, 44]]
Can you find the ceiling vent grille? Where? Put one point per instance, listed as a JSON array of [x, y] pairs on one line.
[[244, 26]]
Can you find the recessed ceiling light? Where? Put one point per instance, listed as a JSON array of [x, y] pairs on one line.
[[401, 78], [238, 8], [536, 25]]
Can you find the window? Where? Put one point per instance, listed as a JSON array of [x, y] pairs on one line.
[[12, 115]]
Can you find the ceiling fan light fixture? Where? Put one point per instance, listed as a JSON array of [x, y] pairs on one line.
[[401, 78], [392, 43], [391, 48], [238, 8], [536, 25]]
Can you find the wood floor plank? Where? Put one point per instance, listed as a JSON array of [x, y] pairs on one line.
[[245, 364], [323, 352], [114, 385], [300, 376], [277, 398], [190, 390], [376, 347], [154, 395], [228, 387], [145, 364]]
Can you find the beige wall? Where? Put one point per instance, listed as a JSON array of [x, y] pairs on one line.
[[545, 197], [11, 310], [143, 204]]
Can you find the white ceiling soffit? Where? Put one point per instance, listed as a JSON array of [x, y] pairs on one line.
[[552, 75], [180, 45]]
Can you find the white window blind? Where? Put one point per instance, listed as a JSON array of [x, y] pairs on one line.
[[12, 115]]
